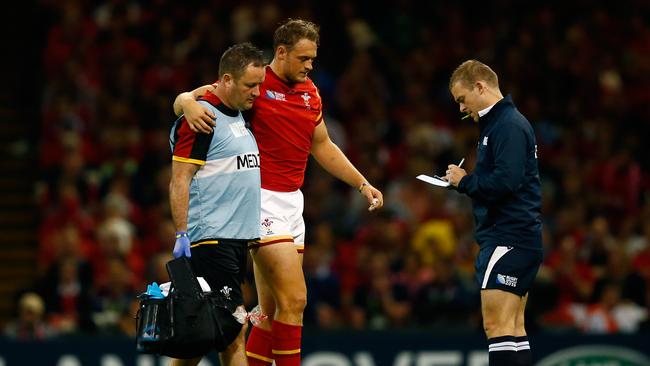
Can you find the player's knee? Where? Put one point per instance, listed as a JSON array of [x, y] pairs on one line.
[[293, 303], [494, 327], [488, 326]]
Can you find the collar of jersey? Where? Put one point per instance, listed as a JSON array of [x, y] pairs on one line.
[[490, 115], [217, 103]]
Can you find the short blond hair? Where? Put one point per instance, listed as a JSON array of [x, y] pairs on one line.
[[471, 71], [294, 30]]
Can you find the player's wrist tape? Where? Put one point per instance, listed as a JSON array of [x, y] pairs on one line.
[[363, 185], [180, 234]]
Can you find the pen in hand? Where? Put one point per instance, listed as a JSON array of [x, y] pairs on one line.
[[445, 177]]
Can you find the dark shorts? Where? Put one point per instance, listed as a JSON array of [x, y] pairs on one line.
[[223, 267], [507, 268]]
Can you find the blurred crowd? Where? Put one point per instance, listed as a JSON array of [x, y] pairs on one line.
[[580, 73]]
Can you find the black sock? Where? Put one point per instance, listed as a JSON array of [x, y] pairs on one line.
[[502, 351], [523, 357]]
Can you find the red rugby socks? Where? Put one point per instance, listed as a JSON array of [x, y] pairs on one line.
[[286, 344], [258, 347]]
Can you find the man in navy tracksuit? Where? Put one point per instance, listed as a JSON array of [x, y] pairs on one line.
[[505, 191]]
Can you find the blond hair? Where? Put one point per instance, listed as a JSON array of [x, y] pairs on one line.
[[471, 71], [293, 30]]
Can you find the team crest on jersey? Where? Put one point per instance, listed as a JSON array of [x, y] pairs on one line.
[[267, 226], [305, 98], [276, 96]]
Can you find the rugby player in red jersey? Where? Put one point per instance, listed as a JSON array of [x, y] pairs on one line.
[[287, 121]]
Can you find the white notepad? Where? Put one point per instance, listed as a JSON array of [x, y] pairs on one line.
[[436, 181]]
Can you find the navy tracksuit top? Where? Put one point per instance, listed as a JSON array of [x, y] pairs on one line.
[[505, 186]]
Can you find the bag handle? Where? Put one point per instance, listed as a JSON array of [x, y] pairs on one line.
[[182, 277]]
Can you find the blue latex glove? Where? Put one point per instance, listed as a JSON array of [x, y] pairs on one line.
[[182, 246]]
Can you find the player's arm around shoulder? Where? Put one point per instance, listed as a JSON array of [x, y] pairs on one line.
[[199, 118], [332, 159]]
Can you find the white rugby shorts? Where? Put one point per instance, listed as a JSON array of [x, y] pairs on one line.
[[281, 219]]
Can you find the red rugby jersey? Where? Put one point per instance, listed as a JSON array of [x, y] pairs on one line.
[[283, 120]]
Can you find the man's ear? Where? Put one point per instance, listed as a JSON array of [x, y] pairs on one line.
[[481, 86], [227, 80], [281, 52]]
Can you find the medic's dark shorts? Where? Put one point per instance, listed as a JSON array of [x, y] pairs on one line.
[[223, 266]]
